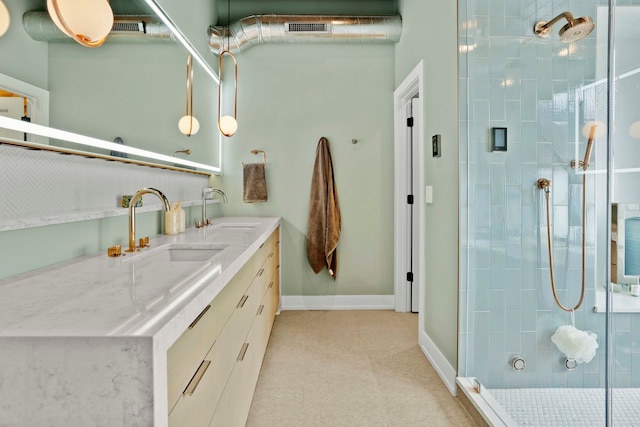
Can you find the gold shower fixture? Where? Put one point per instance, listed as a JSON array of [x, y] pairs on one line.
[[574, 30], [88, 22], [188, 124]]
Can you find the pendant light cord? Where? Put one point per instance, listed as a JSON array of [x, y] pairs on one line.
[[189, 108]]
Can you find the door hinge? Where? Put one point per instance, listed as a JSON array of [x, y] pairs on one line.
[[409, 277], [410, 122], [410, 199]]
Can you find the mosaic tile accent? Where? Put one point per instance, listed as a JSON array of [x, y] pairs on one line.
[[569, 407]]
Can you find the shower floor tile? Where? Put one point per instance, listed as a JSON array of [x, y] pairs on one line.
[[570, 407]]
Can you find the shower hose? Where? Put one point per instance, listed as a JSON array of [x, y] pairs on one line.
[[545, 185]]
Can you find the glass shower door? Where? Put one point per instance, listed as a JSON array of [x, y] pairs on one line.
[[624, 297]]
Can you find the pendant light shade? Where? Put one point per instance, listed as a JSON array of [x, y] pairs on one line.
[[188, 124], [88, 22], [5, 19], [228, 124]]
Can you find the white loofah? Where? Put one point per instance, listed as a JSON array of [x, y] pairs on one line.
[[576, 344]]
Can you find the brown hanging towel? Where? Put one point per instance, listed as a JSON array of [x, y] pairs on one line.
[[254, 183], [323, 226]]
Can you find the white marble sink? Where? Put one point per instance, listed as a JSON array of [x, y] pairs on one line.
[[193, 253], [237, 226], [181, 252]]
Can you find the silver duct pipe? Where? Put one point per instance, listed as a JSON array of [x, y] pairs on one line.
[[126, 28], [259, 29]]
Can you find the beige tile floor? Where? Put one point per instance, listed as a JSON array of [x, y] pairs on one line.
[[350, 368]]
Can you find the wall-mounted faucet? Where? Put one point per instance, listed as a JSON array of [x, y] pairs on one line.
[[132, 213], [206, 193]]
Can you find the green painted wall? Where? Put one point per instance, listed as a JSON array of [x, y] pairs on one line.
[[430, 34], [289, 97], [20, 56]]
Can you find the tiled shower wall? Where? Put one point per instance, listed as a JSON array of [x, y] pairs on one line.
[[511, 78]]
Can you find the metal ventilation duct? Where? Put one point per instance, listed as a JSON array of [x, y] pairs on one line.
[[259, 29], [126, 28]]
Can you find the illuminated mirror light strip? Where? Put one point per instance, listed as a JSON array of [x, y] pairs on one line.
[[157, 9], [49, 132]]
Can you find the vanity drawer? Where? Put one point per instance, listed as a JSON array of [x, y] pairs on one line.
[[186, 354], [264, 249], [233, 407], [195, 406], [272, 298], [201, 361]]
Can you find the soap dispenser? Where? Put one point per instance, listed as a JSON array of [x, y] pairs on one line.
[[171, 224], [181, 217]]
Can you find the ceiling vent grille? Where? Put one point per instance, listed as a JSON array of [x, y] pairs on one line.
[[306, 27], [127, 26]]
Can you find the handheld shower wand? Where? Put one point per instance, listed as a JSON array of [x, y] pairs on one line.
[[584, 164], [587, 153]]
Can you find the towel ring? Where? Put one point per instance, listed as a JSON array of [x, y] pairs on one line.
[[263, 154]]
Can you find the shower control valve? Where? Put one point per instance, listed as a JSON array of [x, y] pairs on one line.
[[570, 363], [544, 184], [518, 363]]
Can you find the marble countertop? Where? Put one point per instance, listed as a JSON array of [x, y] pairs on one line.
[[91, 335], [145, 294]]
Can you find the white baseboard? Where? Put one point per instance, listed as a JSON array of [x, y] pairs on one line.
[[440, 363], [337, 302]]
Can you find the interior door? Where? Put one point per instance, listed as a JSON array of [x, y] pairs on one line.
[[412, 220]]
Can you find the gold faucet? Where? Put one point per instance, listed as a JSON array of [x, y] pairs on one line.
[[132, 213]]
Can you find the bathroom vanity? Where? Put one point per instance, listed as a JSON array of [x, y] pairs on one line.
[[173, 335]]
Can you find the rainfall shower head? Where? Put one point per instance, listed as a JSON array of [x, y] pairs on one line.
[[574, 30]]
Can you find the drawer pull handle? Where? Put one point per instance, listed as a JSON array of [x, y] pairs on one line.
[[262, 245], [193, 384], [243, 300], [260, 309], [270, 285], [270, 255], [243, 351], [193, 324], [260, 272]]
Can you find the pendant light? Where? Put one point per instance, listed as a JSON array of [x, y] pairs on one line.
[[88, 22], [188, 124], [5, 18], [228, 124]]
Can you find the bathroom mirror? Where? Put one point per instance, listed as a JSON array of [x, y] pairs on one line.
[[132, 89]]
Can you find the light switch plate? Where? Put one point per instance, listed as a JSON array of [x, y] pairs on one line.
[[428, 194]]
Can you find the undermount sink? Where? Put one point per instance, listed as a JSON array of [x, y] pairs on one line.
[[193, 253], [178, 252], [237, 226]]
